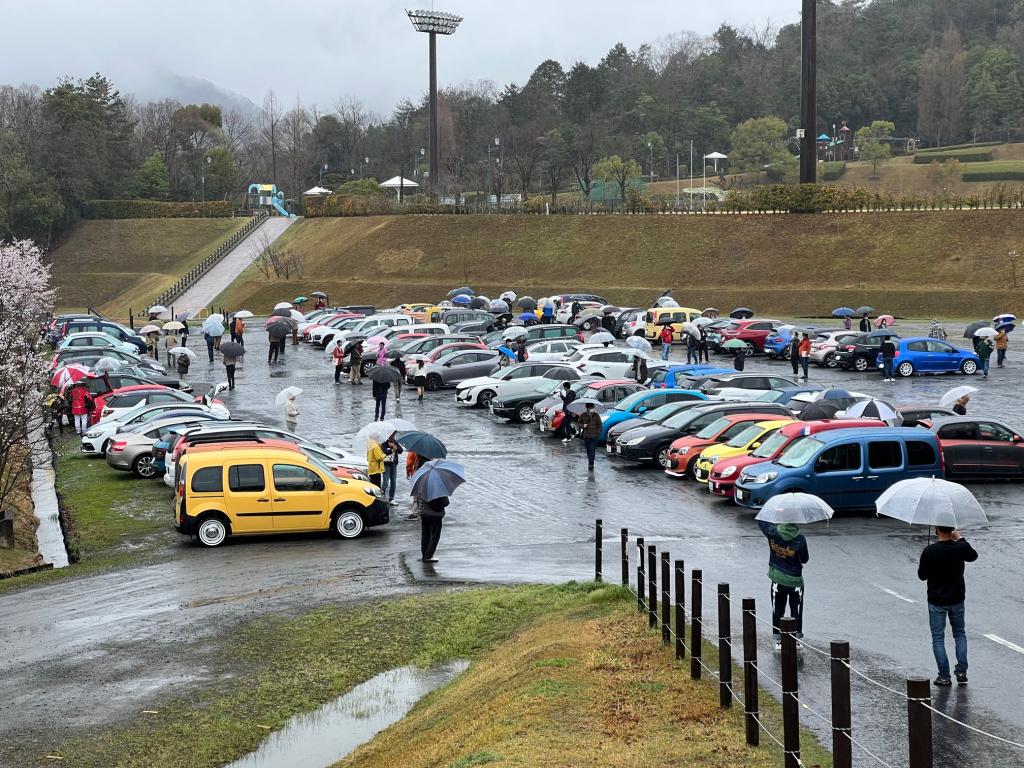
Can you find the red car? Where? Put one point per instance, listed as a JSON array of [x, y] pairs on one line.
[[753, 332], [684, 452], [979, 447], [129, 397], [726, 471]]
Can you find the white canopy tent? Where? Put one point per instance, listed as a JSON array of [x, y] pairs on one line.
[[398, 181], [317, 192]]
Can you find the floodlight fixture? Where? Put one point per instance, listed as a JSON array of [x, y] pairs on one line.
[[437, 22]]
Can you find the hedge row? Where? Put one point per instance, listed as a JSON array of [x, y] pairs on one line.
[[832, 171], [973, 155], [953, 147], [155, 209], [353, 205], [1005, 171], [815, 198]]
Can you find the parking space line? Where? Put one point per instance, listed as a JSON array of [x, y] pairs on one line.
[[897, 595], [1007, 643]]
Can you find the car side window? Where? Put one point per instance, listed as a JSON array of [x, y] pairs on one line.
[[937, 346], [288, 477], [246, 478], [959, 432], [920, 454], [732, 431], [654, 402], [839, 458], [208, 480], [885, 454], [520, 373], [917, 346], [988, 430]]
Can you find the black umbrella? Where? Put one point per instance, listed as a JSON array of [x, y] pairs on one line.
[[741, 313], [973, 328], [232, 349], [477, 303], [423, 444], [318, 294], [820, 409], [385, 374], [350, 344], [528, 303], [610, 310], [667, 320], [562, 374], [394, 354], [464, 290], [281, 313], [865, 310], [279, 330]]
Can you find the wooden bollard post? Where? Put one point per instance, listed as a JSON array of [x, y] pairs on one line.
[[724, 648], [680, 610], [696, 606], [652, 586], [919, 722], [751, 707], [666, 599], [790, 692], [624, 555], [640, 574], [598, 537], [842, 747]]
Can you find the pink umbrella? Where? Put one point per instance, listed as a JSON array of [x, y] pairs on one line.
[[69, 374], [887, 320], [373, 342]]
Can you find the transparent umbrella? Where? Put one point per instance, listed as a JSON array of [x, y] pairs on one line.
[[947, 400], [931, 501], [796, 508]]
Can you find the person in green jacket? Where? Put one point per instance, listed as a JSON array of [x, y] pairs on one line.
[[985, 347], [787, 554]]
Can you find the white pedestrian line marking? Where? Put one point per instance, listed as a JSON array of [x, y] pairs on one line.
[[1007, 643], [897, 595]]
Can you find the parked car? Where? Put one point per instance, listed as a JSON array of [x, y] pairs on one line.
[[754, 333], [97, 438], [368, 326], [96, 384], [518, 406], [925, 355], [754, 382], [654, 416], [316, 333], [683, 376], [605, 391], [627, 321], [726, 471], [455, 367], [118, 401], [452, 316], [98, 325], [651, 444], [777, 345], [656, 317], [684, 452], [340, 467], [91, 355], [742, 444], [979, 447], [824, 345], [641, 402], [547, 351], [53, 330], [86, 340], [564, 313], [537, 333], [915, 415], [304, 495], [604, 362], [132, 450], [482, 390], [847, 468], [861, 352], [424, 346], [442, 350]]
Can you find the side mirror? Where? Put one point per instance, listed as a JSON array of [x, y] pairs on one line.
[[1018, 439], [642, 409]]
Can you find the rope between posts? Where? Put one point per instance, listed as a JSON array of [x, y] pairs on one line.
[[769, 678], [872, 755], [772, 736], [969, 727]]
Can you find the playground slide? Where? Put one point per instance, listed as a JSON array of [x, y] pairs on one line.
[[281, 209]]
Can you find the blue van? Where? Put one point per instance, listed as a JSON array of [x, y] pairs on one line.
[[848, 468]]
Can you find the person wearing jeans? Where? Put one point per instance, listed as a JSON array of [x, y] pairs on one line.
[[888, 356], [942, 566], [666, 342], [805, 353], [590, 430], [787, 555], [392, 450], [1001, 341]]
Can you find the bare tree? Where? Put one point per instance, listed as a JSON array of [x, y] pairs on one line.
[[270, 128], [940, 107]]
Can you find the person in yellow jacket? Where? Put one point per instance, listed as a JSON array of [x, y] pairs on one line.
[[375, 459]]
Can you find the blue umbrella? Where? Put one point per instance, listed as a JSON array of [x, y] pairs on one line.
[[1006, 327], [422, 444], [507, 352], [462, 299], [465, 290], [527, 317], [843, 312], [836, 394], [436, 479]]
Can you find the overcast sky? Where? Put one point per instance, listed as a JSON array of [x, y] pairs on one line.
[[321, 50]]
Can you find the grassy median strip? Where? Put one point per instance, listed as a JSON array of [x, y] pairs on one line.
[[565, 675]]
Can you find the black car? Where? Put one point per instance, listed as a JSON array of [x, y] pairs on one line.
[[99, 325], [979, 447], [519, 408], [860, 353], [913, 415], [654, 416], [473, 327], [98, 385], [626, 316], [651, 443]]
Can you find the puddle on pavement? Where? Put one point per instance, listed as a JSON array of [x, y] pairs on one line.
[[323, 737]]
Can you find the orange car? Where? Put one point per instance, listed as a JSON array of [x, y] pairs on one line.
[[683, 453]]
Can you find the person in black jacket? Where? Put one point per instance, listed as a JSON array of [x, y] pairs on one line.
[[942, 566], [431, 515], [794, 353], [380, 399], [865, 324], [565, 428]]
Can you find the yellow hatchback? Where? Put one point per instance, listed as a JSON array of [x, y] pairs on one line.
[[748, 440], [656, 316], [261, 490]]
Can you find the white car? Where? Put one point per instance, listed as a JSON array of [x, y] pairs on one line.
[[94, 340], [606, 362], [370, 325], [481, 390], [564, 313], [823, 347], [94, 441], [322, 334], [551, 350], [513, 388]]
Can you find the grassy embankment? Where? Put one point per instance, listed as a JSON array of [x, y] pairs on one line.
[[113, 265], [949, 264], [565, 675]]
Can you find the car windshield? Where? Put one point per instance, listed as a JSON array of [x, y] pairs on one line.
[[661, 412], [323, 468], [712, 429], [627, 403], [770, 396], [800, 452], [679, 420], [745, 437], [770, 446]]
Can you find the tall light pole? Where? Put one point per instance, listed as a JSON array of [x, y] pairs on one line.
[[202, 171], [495, 148], [364, 164], [324, 168], [809, 92], [434, 23], [650, 149], [416, 168]]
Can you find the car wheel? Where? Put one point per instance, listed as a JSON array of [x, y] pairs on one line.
[[751, 349], [969, 367], [433, 382], [348, 524], [860, 364], [211, 531], [365, 366], [787, 353], [905, 369], [484, 398], [103, 448], [525, 414], [143, 466], [661, 457], [830, 360]]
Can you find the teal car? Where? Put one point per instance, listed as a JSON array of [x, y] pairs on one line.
[[639, 403]]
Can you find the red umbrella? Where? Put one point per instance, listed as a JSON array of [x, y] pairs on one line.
[[69, 374]]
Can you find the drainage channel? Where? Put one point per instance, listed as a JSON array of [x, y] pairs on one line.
[[320, 738]]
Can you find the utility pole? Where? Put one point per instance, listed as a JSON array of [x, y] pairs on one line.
[[809, 92]]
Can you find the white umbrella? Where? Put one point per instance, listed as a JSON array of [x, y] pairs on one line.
[[283, 305], [931, 501], [298, 316], [666, 301], [982, 332], [285, 394], [182, 351], [639, 343], [157, 309], [947, 400], [106, 365], [374, 432], [216, 317], [602, 337], [213, 327], [875, 409], [515, 332], [402, 425], [691, 329], [499, 305], [173, 326], [509, 296], [796, 508], [699, 321], [245, 314], [150, 329]]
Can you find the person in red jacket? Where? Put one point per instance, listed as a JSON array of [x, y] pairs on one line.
[[81, 405], [805, 353]]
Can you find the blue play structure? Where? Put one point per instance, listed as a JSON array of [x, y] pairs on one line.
[[268, 196]]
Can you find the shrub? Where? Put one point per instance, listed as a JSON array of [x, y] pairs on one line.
[[972, 155], [154, 209], [952, 147], [832, 171], [998, 171]]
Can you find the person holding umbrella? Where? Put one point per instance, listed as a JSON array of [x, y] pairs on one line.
[[1002, 341], [375, 463], [521, 354], [666, 341], [565, 427], [82, 405], [942, 566], [590, 430], [787, 555], [960, 405], [984, 346], [338, 356], [399, 365], [419, 379], [182, 363], [291, 411], [382, 354], [392, 450], [380, 397], [434, 483], [272, 351], [355, 362]]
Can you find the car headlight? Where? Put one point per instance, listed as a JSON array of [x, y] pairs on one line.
[[632, 441], [604, 417], [765, 477], [712, 461], [373, 490], [360, 476], [729, 471], [92, 433], [681, 451]]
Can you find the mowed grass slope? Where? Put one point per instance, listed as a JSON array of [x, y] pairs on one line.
[[951, 264], [113, 265]]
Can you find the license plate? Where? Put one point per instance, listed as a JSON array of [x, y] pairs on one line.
[[609, 448], [713, 485], [700, 474], [740, 495], [618, 449]]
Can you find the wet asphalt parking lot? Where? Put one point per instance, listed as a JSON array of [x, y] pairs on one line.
[[85, 652]]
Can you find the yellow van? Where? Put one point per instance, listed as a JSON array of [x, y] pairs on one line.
[[261, 490], [424, 312], [679, 316]]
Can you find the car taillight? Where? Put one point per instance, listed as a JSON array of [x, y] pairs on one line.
[[106, 412], [181, 488], [897, 354], [118, 446], [160, 453], [849, 347], [583, 366]]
